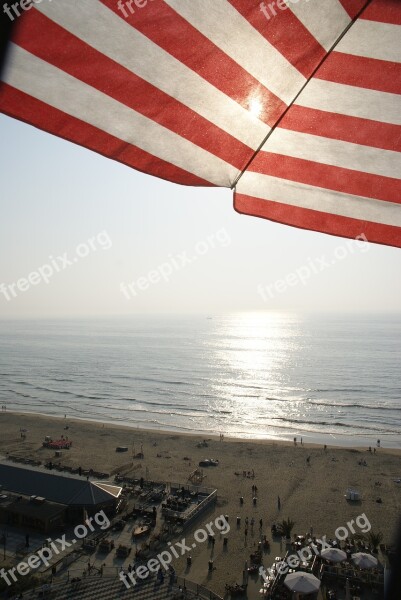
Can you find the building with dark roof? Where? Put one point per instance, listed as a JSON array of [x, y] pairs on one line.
[[33, 498]]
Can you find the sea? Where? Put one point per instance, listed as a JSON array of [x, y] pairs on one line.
[[330, 379]]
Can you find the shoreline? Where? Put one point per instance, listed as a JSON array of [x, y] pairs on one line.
[[268, 441]]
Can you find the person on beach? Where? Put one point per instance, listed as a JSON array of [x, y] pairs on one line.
[[278, 503]]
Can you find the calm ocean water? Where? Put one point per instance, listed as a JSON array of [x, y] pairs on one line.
[[333, 379]]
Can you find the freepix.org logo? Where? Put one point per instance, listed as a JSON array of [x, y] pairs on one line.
[[175, 550], [15, 9], [53, 548], [55, 265], [270, 10], [306, 553]]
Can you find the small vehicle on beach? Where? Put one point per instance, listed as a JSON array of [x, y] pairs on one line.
[[209, 462]]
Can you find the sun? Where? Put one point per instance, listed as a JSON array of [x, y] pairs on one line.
[[255, 107]]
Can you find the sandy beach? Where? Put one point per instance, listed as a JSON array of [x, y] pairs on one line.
[[311, 493]]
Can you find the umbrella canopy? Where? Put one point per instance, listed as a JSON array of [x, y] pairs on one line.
[[298, 109], [364, 561], [302, 583], [334, 555]]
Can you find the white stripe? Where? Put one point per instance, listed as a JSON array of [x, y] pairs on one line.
[[301, 195], [326, 20], [90, 19], [373, 40], [352, 101], [228, 30], [334, 152], [49, 84]]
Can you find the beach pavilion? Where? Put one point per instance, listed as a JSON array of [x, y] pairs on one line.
[[30, 497]]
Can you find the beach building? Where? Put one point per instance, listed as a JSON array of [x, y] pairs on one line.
[[43, 501]]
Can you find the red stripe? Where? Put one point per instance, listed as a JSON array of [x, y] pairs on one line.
[[384, 11], [353, 6], [285, 32], [95, 69], [47, 118], [362, 72], [305, 218], [343, 127], [161, 24], [328, 177]]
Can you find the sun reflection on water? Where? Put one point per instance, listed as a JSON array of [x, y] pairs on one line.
[[255, 353]]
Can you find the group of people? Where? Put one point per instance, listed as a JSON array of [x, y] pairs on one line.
[[249, 474]]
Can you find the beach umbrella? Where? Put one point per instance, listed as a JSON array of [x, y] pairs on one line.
[[296, 110], [302, 583], [334, 555], [364, 561]]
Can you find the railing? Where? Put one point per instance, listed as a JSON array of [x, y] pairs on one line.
[[191, 487], [195, 512], [189, 588], [194, 588]]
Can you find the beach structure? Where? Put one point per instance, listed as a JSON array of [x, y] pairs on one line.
[[352, 495], [63, 444], [44, 501], [186, 503]]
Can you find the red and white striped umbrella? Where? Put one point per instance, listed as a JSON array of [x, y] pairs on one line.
[[293, 104]]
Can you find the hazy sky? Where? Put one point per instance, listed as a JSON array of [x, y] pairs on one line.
[[182, 249]]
